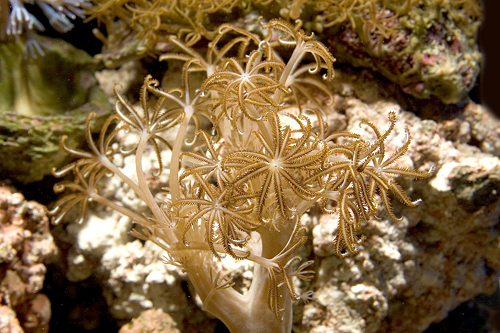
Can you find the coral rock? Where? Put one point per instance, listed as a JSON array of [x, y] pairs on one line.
[[26, 246]]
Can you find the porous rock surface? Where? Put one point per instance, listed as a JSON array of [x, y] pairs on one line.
[[26, 246], [445, 251]]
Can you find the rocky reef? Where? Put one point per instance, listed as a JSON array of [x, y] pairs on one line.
[[417, 58]]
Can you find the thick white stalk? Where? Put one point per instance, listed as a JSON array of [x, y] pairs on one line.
[[147, 196], [176, 153]]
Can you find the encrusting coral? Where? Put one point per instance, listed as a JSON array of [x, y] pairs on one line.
[[429, 48], [261, 156]]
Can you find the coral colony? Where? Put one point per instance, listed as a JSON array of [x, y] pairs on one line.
[[251, 152]]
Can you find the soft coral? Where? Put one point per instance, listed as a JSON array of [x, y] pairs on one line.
[[58, 12]]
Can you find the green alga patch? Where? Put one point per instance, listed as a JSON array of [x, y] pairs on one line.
[[30, 146], [51, 84]]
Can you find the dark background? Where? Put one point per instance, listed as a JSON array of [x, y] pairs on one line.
[[488, 86]]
